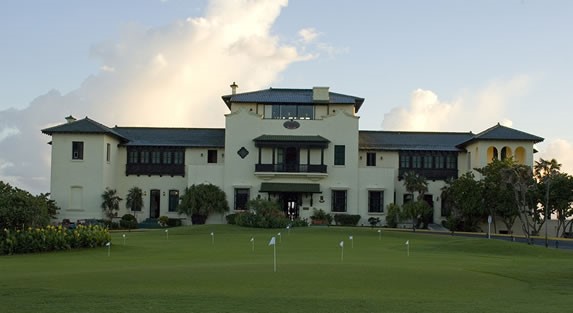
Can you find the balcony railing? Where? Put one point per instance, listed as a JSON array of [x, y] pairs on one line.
[[155, 169], [291, 168], [430, 173]]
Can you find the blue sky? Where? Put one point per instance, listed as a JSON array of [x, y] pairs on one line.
[[421, 65]]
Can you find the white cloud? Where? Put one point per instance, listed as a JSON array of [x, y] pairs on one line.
[[560, 150], [472, 111], [166, 76], [7, 132], [308, 34]]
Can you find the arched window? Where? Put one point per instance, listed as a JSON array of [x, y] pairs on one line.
[[506, 153], [491, 154], [520, 155]]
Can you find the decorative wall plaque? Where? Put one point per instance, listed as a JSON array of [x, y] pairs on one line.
[[290, 124]]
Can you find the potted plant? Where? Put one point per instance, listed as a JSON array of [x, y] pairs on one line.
[[320, 217]]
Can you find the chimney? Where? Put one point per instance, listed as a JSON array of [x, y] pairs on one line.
[[70, 119], [234, 88], [320, 94]]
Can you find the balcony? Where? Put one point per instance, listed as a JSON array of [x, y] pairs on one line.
[[430, 173], [155, 169], [312, 171]]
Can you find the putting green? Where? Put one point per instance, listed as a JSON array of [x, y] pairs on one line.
[[188, 270]]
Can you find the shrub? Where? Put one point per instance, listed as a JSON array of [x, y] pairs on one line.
[[393, 215], [231, 218], [52, 238], [163, 221], [374, 221], [346, 219], [128, 221], [320, 217], [174, 222]]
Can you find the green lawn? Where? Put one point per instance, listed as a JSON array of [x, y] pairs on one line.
[[187, 273]]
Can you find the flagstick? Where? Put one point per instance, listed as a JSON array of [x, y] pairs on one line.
[[379, 234], [351, 241], [167, 234], [124, 239], [108, 248], [253, 243], [275, 257], [213, 238], [280, 238], [342, 253]]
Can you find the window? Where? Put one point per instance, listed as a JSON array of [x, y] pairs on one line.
[[108, 152], [451, 162], [77, 150], [292, 111], [155, 157], [376, 201], [404, 161], [428, 161], [178, 157], [241, 198], [339, 201], [167, 159], [371, 159], [211, 156], [339, 155], [173, 200], [439, 161], [144, 157], [132, 157], [416, 161]]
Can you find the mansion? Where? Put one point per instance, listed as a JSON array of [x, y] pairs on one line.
[[301, 147]]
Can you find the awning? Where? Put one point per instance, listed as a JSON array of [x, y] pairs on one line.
[[287, 187], [288, 140]]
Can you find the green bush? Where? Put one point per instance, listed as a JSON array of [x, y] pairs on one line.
[[231, 218], [174, 222], [393, 215], [52, 238], [128, 221], [346, 219], [163, 221]]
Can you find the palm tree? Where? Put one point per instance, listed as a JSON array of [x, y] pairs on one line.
[[419, 208], [134, 200], [415, 183], [110, 204]]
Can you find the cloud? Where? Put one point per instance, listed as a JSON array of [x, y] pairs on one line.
[[426, 112], [308, 34], [560, 150], [165, 76]]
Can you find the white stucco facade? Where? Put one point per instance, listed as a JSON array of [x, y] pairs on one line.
[[301, 147]]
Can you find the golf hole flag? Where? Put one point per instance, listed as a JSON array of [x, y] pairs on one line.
[[273, 243], [341, 244]]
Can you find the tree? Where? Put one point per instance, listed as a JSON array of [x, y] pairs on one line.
[[415, 183], [498, 197], [200, 201], [464, 196], [418, 210], [19, 209], [134, 200], [110, 203], [520, 178]]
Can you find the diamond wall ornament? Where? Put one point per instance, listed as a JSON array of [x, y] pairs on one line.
[[243, 152]]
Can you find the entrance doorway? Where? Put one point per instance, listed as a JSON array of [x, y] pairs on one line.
[[291, 159], [154, 202], [290, 203]]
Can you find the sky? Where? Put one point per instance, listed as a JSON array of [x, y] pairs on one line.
[[420, 65]]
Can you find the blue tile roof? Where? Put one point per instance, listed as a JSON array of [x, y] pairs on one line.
[[286, 95], [83, 126], [423, 141], [500, 132], [174, 137]]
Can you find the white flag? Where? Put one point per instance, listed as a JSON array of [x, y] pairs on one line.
[[288, 227], [342, 244], [166, 231], [279, 234], [379, 230], [272, 242], [212, 234], [108, 244], [407, 242], [350, 237], [252, 239]]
